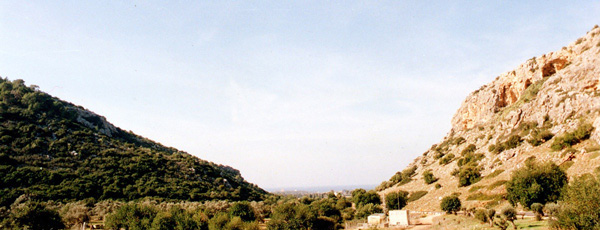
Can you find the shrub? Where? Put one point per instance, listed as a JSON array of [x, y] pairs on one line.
[[538, 208], [512, 142], [34, 215], [539, 137], [428, 177], [582, 133], [481, 215], [242, 210], [580, 207], [469, 149], [446, 159], [535, 183], [468, 174], [438, 186], [510, 214], [450, 204]]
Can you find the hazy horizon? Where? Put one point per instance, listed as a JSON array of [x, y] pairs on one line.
[[292, 94]]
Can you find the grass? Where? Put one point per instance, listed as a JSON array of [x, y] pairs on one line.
[[566, 165], [456, 222], [475, 188], [495, 173], [483, 196], [416, 195], [496, 184]]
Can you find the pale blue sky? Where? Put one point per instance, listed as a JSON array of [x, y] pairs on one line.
[[291, 93]]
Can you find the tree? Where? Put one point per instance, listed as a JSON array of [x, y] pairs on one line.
[[535, 183], [243, 210], [35, 215], [580, 207], [538, 209], [510, 214], [131, 216], [450, 204], [367, 209], [396, 200], [360, 197]]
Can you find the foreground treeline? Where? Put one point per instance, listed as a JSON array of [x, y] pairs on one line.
[[273, 213], [545, 190]]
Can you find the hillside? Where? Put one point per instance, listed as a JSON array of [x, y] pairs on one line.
[[547, 108], [55, 150]]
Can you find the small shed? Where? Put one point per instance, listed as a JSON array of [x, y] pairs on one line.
[[399, 217], [376, 219]]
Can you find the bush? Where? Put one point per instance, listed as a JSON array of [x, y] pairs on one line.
[[243, 210], [131, 216], [580, 207], [539, 137], [438, 186], [428, 177], [396, 200], [450, 204], [33, 215], [446, 159], [481, 215], [535, 183], [468, 175], [582, 133], [510, 214], [538, 209]]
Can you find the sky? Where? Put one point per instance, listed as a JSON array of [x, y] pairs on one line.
[[291, 93]]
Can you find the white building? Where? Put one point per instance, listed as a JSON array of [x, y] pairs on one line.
[[399, 217], [376, 219]]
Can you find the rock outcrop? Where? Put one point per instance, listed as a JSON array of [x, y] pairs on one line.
[[553, 94]]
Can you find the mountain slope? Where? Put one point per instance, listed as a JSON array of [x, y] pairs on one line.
[[55, 150], [547, 108]]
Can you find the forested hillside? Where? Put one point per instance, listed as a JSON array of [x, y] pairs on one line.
[[54, 150]]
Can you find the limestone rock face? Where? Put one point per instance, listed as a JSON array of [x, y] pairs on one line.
[[555, 93], [580, 63], [95, 121]]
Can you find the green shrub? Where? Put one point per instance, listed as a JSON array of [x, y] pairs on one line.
[[438, 186], [428, 177], [539, 137], [450, 204], [580, 205], [481, 215], [580, 134], [447, 159], [469, 149], [538, 209], [468, 174]]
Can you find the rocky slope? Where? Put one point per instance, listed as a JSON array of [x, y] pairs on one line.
[[531, 111]]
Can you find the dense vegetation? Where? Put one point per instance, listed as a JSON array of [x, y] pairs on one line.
[[54, 150]]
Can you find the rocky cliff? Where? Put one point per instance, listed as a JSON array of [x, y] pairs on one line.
[[535, 110]]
